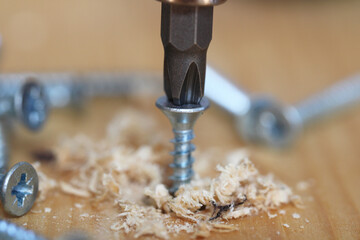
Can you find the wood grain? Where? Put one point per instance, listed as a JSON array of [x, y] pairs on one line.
[[288, 49]]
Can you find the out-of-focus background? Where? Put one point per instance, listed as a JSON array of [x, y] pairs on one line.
[[289, 49]]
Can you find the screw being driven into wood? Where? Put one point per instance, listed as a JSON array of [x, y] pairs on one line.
[[182, 120]]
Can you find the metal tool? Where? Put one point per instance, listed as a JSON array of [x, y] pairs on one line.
[[265, 120], [186, 33]]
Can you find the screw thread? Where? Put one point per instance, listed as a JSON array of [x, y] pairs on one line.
[[182, 120], [183, 161]]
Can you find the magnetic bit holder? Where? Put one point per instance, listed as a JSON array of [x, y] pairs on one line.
[[182, 120], [186, 33], [194, 2]]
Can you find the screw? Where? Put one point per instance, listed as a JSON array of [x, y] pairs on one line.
[[266, 121], [28, 104], [70, 89], [182, 120], [19, 186]]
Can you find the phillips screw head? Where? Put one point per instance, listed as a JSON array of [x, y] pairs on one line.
[[19, 189]]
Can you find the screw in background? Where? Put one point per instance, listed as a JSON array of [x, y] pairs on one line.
[[266, 121]]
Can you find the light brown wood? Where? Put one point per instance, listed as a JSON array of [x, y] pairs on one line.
[[288, 49]]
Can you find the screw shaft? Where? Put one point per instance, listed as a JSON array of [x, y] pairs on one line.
[[182, 120], [338, 97], [183, 161]]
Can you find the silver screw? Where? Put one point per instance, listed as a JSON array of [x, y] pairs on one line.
[[27, 104], [70, 89], [19, 186], [266, 121], [182, 120]]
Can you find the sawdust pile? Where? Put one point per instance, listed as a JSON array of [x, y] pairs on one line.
[[127, 168]]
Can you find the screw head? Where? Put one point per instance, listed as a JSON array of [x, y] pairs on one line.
[[32, 105], [19, 189], [270, 123]]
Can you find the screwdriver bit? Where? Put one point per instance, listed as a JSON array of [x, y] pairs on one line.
[[186, 33]]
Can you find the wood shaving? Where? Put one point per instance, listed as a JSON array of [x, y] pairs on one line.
[[78, 205], [126, 167], [45, 183], [69, 189], [272, 215]]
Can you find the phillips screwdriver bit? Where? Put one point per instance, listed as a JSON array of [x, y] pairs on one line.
[[186, 33]]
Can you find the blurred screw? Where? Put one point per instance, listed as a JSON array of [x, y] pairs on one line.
[[28, 104], [71, 89], [266, 121], [10, 231], [19, 186]]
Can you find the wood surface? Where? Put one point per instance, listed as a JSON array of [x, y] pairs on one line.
[[289, 49]]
